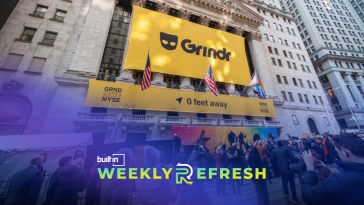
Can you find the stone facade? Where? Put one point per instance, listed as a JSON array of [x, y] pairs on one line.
[[58, 90]]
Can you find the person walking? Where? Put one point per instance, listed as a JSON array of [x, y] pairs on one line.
[[255, 162], [281, 156], [241, 139], [220, 160], [24, 185]]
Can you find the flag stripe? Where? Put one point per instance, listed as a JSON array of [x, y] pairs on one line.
[[147, 80], [210, 81]]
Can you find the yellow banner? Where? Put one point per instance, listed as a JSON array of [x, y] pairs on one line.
[[116, 95], [180, 47]]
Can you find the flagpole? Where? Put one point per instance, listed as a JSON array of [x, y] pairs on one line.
[[250, 79], [203, 75]]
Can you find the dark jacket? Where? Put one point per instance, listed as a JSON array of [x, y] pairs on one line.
[[24, 187], [241, 138], [195, 158], [281, 156], [195, 195], [345, 188], [115, 191], [67, 182], [256, 137], [231, 137]]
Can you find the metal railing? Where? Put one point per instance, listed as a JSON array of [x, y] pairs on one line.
[[96, 117]]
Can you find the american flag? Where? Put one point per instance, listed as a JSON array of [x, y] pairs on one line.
[[147, 76], [210, 81]]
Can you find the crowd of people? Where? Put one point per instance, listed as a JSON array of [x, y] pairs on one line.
[[303, 158]]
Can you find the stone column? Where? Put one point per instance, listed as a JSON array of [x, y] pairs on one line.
[[204, 20], [354, 89], [185, 14], [157, 80], [260, 63], [343, 93], [163, 8], [222, 26], [91, 44], [126, 76], [359, 76], [186, 83], [230, 88]]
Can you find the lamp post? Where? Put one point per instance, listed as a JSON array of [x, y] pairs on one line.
[[322, 97]]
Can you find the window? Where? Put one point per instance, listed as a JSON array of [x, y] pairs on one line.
[[12, 61], [247, 117], [286, 42], [201, 115], [308, 69], [290, 97], [306, 98], [266, 37], [314, 84], [327, 121], [303, 68], [300, 97], [294, 81], [60, 15], [285, 54], [266, 23], [49, 38], [289, 65], [280, 62], [290, 55], [37, 64], [320, 98], [276, 51], [300, 82], [40, 10], [288, 31], [285, 80], [315, 99], [284, 96], [309, 84], [28, 34], [295, 121], [98, 110], [280, 41], [270, 49], [174, 114], [272, 38], [274, 61], [294, 66], [298, 57], [275, 26], [279, 79]]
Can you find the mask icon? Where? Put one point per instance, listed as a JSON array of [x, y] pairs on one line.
[[168, 41]]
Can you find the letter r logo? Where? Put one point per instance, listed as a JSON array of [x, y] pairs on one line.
[[168, 41]]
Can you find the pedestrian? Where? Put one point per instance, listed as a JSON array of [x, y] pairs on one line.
[[24, 185], [262, 151], [175, 137], [220, 160], [342, 188], [256, 137], [181, 158], [93, 191], [118, 191], [271, 137], [233, 162], [270, 147], [282, 157], [68, 181], [159, 191], [80, 158], [231, 137], [295, 153], [255, 162], [202, 139]]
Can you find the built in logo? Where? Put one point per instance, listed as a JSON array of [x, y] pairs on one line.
[[263, 107], [170, 42], [117, 160]]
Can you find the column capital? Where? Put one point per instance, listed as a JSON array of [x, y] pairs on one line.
[[140, 3], [204, 20], [348, 73], [163, 8], [359, 74], [185, 14], [222, 26], [239, 31], [254, 36]]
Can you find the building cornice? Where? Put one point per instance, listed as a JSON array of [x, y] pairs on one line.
[[273, 10], [334, 49], [327, 57], [292, 107]]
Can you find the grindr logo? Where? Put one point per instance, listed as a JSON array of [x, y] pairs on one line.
[[168, 41]]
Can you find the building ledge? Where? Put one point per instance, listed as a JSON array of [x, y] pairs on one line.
[[45, 44], [33, 72], [36, 16], [8, 70], [53, 19], [20, 40]]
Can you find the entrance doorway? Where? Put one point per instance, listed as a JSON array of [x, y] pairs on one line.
[[312, 125], [136, 137]]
